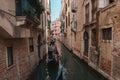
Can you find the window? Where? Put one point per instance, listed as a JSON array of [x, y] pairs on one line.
[[111, 1], [42, 20], [9, 56], [104, 3], [93, 37], [63, 26], [31, 46], [66, 7], [18, 8], [73, 6], [68, 19], [68, 2], [45, 20], [94, 9], [75, 36], [74, 23], [87, 13], [107, 34]]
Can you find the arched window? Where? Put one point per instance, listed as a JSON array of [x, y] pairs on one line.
[[86, 35]]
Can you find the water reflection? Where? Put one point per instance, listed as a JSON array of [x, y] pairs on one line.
[[53, 70], [76, 69], [68, 68]]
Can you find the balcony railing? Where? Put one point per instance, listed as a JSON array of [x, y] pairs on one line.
[[73, 6], [23, 8]]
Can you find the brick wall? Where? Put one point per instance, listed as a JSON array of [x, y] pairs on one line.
[[116, 67], [9, 73], [24, 62], [105, 65]]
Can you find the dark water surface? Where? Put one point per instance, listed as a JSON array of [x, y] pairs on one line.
[[76, 69], [71, 67]]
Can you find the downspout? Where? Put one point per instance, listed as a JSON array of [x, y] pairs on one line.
[[97, 36]]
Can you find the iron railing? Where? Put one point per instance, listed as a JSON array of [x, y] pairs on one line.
[[23, 8]]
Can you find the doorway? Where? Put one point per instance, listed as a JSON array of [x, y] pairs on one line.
[[86, 43]]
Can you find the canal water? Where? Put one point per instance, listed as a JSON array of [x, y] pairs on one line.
[[69, 68], [76, 69]]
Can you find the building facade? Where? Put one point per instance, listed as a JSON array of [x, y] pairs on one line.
[[47, 23], [55, 28], [22, 38], [71, 21], [91, 33], [109, 39]]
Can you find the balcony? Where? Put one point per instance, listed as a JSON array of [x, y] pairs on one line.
[[26, 13], [73, 6], [14, 32], [8, 26]]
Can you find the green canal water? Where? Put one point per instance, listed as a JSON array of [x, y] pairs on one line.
[[71, 67], [76, 69]]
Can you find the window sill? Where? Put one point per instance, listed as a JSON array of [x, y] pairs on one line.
[[108, 6], [86, 24], [107, 41], [10, 67], [107, 26], [31, 52]]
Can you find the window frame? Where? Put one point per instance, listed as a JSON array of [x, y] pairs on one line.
[[105, 3], [66, 22], [68, 18], [68, 3], [9, 56], [74, 22], [94, 9], [87, 13], [31, 44], [93, 36], [106, 36]]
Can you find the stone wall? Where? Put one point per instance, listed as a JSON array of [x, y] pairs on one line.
[[94, 56]]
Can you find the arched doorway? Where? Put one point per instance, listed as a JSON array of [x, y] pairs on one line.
[[86, 43]]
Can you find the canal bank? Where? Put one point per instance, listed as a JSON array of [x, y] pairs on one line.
[[77, 69]]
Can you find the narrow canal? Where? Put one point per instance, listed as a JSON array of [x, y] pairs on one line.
[[71, 67], [76, 69]]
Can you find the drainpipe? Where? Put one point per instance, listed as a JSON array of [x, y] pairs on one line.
[[97, 36], [71, 41]]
